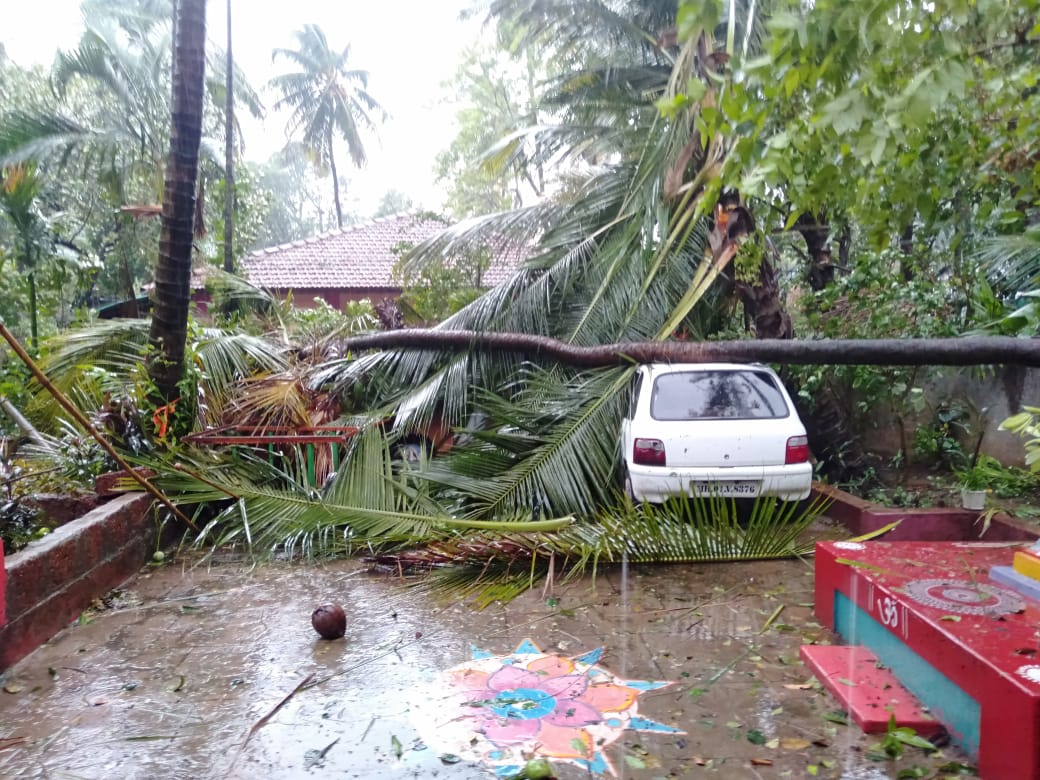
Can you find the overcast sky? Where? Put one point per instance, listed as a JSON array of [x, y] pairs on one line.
[[409, 48]]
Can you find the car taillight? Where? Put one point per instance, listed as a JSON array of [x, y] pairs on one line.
[[797, 450], [648, 452]]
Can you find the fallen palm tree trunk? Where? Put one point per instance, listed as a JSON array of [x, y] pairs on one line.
[[967, 351]]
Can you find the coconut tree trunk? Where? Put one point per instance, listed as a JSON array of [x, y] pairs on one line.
[[229, 154], [763, 304], [335, 185], [974, 351], [172, 295]]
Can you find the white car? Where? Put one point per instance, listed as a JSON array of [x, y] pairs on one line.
[[699, 429]]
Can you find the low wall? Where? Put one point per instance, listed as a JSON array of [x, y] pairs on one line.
[[52, 580], [928, 524]]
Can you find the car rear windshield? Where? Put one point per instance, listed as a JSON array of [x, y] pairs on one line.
[[710, 395]]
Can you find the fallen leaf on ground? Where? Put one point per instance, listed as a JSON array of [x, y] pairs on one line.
[[794, 743], [755, 737], [761, 762]]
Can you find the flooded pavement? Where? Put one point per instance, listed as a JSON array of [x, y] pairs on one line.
[[213, 671]]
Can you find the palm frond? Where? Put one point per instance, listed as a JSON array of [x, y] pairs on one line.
[[556, 449], [265, 505], [483, 569], [1012, 263]]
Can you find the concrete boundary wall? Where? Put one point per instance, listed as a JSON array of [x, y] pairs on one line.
[[991, 395], [52, 580]]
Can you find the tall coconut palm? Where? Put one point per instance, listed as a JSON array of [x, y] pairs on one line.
[[326, 99], [173, 270]]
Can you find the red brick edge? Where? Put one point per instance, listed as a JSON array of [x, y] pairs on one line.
[[53, 580], [3, 588], [930, 524]]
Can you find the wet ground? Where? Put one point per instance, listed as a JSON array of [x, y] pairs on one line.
[[181, 675]]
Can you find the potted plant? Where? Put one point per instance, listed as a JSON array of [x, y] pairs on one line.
[[974, 482]]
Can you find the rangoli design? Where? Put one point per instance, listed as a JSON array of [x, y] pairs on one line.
[[964, 597], [505, 710]]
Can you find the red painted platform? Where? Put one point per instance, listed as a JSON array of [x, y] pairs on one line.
[[868, 690], [966, 647]]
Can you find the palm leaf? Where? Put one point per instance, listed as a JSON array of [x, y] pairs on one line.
[[487, 568], [264, 504]]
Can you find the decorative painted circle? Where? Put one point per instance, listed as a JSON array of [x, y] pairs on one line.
[[850, 545], [1031, 672], [504, 710], [964, 596]]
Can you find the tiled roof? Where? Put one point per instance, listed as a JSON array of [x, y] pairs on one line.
[[356, 257]]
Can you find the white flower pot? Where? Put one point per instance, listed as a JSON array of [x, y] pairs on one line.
[[973, 499]]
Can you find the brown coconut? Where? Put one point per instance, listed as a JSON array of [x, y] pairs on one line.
[[330, 621]]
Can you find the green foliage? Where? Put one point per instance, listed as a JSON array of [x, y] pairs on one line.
[[856, 110], [898, 738], [433, 291], [1027, 425], [252, 206], [987, 473], [97, 127], [79, 456], [321, 321], [489, 568], [393, 202], [15, 387], [940, 441], [298, 200], [487, 168], [872, 301]]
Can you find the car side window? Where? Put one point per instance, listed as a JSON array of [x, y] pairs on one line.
[[633, 398]]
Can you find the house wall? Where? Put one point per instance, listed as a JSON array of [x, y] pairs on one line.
[[336, 298]]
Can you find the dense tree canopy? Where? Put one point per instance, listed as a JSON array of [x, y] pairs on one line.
[[668, 170]]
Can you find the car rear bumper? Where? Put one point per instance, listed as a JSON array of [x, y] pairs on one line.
[[656, 484]]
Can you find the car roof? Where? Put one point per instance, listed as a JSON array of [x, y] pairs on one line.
[[675, 368]]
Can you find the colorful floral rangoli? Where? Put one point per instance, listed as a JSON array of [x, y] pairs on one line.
[[505, 710]]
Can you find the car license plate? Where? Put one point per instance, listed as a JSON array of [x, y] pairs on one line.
[[725, 489]]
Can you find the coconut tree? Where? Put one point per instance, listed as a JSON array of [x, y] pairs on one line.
[[633, 248], [327, 99], [173, 270]]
